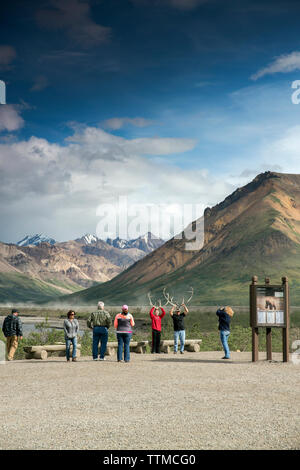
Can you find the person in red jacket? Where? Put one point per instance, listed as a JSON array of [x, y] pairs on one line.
[[156, 318]]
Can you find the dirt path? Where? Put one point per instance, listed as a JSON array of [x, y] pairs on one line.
[[195, 401]]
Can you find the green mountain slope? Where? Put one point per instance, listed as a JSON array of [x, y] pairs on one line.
[[255, 230], [16, 287]]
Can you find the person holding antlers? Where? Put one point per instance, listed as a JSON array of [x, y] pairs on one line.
[[178, 323], [156, 318], [178, 319]]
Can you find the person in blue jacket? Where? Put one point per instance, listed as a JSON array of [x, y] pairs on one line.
[[225, 314]]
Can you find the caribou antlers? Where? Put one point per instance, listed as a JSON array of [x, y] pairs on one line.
[[191, 292], [169, 300], [151, 303], [175, 303]]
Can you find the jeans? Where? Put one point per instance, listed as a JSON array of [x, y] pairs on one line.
[[179, 335], [224, 334], [124, 341], [100, 333], [68, 345]]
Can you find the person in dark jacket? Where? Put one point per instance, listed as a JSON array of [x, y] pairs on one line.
[[225, 314], [178, 323], [71, 329], [12, 330]]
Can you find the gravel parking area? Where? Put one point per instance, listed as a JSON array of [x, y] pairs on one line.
[[162, 402]]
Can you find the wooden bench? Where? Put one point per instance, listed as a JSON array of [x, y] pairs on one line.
[[191, 345], [42, 352], [138, 347]]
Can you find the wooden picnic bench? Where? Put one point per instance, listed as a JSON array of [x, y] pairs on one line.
[[191, 345], [138, 347], [42, 352]]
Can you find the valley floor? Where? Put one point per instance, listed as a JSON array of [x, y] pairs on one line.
[[162, 402]]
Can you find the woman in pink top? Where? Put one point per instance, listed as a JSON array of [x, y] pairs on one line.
[[123, 324]]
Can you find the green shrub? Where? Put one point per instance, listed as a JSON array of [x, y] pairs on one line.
[[86, 344]]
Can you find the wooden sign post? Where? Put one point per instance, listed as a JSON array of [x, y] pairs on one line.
[[269, 308]]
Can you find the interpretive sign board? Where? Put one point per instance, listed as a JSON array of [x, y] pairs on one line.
[[269, 308]]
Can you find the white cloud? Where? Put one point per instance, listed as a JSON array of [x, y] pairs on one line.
[[74, 17], [118, 123], [40, 83], [278, 153], [283, 64], [202, 84], [111, 145], [285, 149], [7, 56], [57, 188], [10, 119]]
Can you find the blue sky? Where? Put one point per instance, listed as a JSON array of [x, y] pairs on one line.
[[175, 101]]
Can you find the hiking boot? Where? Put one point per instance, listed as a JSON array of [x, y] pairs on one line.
[[74, 359]]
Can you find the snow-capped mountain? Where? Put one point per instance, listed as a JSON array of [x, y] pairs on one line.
[[118, 243], [146, 243], [36, 240], [88, 239]]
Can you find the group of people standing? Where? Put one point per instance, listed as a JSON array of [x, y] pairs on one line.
[[100, 322]]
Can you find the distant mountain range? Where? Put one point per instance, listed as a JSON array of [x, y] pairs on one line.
[[40, 268], [254, 231], [146, 243]]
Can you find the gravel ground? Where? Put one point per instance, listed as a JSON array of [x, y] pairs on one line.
[[162, 402]]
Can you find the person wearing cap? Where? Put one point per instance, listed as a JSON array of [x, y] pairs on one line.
[[12, 330], [71, 329], [99, 322], [179, 329], [225, 314], [123, 324]]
